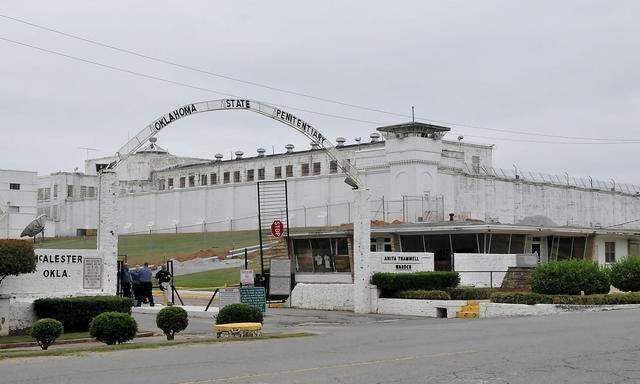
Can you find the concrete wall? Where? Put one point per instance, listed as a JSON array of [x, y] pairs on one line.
[[487, 262], [425, 308], [622, 247], [322, 296], [17, 207]]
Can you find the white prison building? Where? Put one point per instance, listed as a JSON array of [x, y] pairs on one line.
[[414, 176]]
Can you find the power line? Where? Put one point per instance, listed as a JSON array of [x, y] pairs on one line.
[[625, 223], [152, 77], [301, 94], [187, 85]]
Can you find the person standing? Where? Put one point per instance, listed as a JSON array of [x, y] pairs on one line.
[[135, 282], [164, 279], [146, 285], [125, 280]]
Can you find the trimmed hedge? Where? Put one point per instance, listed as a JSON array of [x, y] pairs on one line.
[[423, 295], [625, 274], [536, 298], [16, 257], [390, 282], [239, 313], [113, 327], [76, 313], [471, 293], [569, 277], [46, 331], [172, 320]]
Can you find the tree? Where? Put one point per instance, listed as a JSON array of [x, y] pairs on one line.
[[16, 257]]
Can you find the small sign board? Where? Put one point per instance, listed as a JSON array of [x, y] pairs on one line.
[[92, 273], [277, 228], [280, 277], [229, 296], [254, 296], [246, 277]]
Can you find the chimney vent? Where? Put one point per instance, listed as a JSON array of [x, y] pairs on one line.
[[340, 141], [289, 148], [261, 152], [375, 137], [239, 155], [451, 216], [219, 156]]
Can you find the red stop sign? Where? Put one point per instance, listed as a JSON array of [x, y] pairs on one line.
[[277, 228]]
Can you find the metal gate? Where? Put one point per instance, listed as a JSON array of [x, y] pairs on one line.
[[273, 221]]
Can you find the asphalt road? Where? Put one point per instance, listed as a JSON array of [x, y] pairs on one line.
[[599, 347]]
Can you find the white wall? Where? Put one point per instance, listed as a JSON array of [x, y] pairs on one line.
[[487, 262], [622, 247], [322, 296], [17, 207]]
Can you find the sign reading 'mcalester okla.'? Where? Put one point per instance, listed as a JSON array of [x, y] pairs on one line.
[[59, 271]]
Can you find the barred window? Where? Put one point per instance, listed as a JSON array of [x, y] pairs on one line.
[[203, 179], [226, 177], [261, 174], [236, 176], [304, 170], [170, 183], [316, 168], [333, 166], [214, 178], [192, 181], [289, 170], [250, 175], [277, 173], [183, 182]]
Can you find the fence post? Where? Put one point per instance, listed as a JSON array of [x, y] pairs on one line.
[[327, 217]]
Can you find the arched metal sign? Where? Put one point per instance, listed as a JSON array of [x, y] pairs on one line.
[[275, 113]]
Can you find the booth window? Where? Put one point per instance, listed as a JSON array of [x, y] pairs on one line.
[[412, 243], [322, 255]]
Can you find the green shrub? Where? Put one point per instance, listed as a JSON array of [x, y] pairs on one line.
[[519, 298], [113, 327], [536, 298], [390, 282], [625, 274], [172, 320], [424, 295], [471, 293], [239, 313], [46, 331], [76, 313], [569, 277], [16, 257]]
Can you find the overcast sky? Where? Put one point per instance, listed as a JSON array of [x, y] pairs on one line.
[[569, 68]]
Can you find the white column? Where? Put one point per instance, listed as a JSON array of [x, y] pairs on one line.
[[108, 229], [361, 250]]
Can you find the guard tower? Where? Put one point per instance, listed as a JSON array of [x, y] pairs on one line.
[[413, 151]]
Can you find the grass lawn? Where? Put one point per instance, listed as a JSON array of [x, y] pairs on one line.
[[28, 339], [157, 248], [209, 279]]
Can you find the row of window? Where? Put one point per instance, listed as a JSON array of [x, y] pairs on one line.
[[212, 179], [44, 194]]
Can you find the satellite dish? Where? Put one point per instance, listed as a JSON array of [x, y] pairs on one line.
[[34, 227]]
